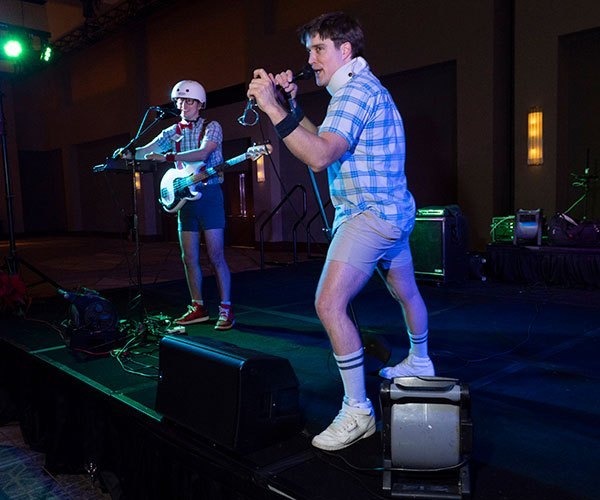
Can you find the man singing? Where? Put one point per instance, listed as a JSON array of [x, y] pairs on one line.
[[361, 144]]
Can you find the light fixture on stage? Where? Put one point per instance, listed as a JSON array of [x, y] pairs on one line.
[[24, 47], [528, 227], [427, 437], [12, 48], [93, 324], [535, 136], [46, 53]]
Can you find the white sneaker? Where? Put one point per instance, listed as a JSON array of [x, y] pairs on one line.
[[350, 425], [412, 366]]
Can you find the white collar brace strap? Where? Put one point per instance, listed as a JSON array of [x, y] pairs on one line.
[[344, 74]]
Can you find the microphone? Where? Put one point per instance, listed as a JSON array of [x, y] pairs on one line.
[[304, 74], [165, 110], [248, 120]]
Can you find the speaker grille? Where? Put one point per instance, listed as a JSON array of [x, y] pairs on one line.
[[439, 248]]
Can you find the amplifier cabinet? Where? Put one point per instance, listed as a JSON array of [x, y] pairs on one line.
[[439, 248], [503, 229], [239, 398]]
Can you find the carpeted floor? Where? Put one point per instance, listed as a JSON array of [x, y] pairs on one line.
[[23, 475]]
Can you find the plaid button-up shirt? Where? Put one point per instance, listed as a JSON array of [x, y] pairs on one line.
[[370, 175], [180, 139]]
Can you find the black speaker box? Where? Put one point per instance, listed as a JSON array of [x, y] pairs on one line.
[[239, 398], [439, 248]]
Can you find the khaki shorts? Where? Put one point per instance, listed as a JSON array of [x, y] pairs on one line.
[[366, 239]]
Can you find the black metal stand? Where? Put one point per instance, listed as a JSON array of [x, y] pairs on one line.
[[135, 233], [582, 181], [377, 350], [135, 168], [13, 260]]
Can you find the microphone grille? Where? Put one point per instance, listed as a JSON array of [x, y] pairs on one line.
[[305, 74]]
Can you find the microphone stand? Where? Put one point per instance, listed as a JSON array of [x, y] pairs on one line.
[[583, 181], [377, 350], [139, 299], [13, 260]]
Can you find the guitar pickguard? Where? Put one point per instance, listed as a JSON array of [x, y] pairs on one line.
[[178, 185], [174, 191]]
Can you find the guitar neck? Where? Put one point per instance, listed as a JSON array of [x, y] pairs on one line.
[[209, 172]]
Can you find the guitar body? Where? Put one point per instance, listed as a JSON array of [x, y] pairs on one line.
[[175, 189], [179, 185]]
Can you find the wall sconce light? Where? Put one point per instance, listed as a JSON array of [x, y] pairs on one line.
[[260, 169], [138, 181], [535, 137]]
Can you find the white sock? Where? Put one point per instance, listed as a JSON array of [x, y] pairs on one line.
[[352, 371], [418, 344], [198, 301]]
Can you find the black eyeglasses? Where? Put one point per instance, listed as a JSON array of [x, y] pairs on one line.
[[187, 100]]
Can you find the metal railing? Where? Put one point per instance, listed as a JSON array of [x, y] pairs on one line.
[[294, 229]]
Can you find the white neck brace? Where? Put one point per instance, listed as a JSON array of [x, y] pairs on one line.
[[345, 73]]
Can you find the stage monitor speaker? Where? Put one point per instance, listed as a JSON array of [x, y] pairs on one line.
[[439, 248], [241, 399], [427, 439]]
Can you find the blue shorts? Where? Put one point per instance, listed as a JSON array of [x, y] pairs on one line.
[[206, 213], [367, 239]]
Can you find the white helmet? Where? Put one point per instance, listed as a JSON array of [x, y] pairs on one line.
[[189, 89]]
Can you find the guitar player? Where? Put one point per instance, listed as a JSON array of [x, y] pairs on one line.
[[195, 139]]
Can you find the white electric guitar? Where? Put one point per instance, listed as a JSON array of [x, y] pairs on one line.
[[178, 185]]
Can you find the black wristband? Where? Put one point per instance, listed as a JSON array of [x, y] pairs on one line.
[[286, 126], [297, 112]]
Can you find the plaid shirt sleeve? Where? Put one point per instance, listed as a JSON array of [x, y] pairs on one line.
[[347, 115], [214, 133]]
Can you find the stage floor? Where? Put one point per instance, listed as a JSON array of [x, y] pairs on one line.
[[528, 354]]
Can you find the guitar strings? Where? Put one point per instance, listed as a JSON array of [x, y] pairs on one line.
[[192, 179]]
